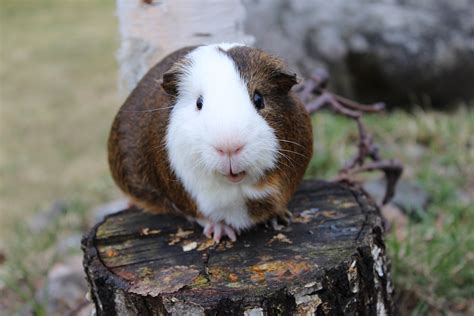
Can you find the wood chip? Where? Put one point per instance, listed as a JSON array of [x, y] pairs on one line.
[[190, 246], [306, 216], [233, 277], [174, 241], [301, 219], [179, 235], [280, 237], [206, 244], [147, 231], [110, 252], [183, 233], [329, 214]]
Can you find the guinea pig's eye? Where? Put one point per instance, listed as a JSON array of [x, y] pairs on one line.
[[199, 103], [258, 100]]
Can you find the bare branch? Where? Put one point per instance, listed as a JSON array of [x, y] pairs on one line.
[[315, 96]]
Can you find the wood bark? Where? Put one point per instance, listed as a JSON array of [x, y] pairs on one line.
[[329, 261]]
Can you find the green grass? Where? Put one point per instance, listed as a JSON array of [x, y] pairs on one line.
[[31, 256], [58, 98], [432, 266]]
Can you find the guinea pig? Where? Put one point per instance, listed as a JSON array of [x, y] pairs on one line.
[[213, 133]]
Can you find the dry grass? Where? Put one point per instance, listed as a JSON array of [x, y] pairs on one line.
[[58, 96]]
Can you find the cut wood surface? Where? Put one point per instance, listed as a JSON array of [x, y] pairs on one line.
[[329, 261]]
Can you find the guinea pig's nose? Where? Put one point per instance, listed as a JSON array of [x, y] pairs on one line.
[[229, 150]]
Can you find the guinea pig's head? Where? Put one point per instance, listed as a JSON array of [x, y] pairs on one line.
[[223, 122]]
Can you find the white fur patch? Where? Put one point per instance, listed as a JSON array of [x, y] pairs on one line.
[[227, 118]]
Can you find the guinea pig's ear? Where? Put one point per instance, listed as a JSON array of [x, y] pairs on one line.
[[174, 76], [170, 81], [285, 80]]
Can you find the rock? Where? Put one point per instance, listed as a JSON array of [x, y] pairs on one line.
[[40, 221], [395, 219], [65, 287], [68, 244], [86, 310], [398, 51], [100, 212], [409, 196], [414, 151]]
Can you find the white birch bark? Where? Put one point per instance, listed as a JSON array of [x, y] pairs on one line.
[[150, 31]]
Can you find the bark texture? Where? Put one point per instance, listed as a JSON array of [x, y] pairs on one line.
[[329, 261]]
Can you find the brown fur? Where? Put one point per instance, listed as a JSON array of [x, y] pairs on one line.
[[137, 153]]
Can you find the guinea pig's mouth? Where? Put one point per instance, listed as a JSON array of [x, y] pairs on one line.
[[235, 177]]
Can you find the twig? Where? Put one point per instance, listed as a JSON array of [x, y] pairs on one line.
[[315, 96]]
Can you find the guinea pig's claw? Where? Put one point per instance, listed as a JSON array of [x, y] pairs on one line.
[[274, 223], [286, 217], [277, 223], [217, 230], [229, 231], [208, 230]]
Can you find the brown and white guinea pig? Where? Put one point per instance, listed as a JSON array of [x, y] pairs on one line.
[[213, 133]]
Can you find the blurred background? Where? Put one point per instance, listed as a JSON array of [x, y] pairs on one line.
[[59, 91]]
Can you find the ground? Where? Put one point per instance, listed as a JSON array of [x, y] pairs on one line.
[[59, 95]]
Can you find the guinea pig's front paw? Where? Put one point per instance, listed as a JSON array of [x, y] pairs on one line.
[[217, 230]]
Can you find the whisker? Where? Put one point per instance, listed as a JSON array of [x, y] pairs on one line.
[[294, 152], [291, 161], [284, 164], [291, 142], [278, 152], [146, 111]]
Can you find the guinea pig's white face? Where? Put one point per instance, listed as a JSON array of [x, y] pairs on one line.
[[215, 131]]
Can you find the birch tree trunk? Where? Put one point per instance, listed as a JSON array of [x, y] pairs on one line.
[[150, 30]]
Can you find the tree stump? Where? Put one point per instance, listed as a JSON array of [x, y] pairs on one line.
[[329, 261]]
